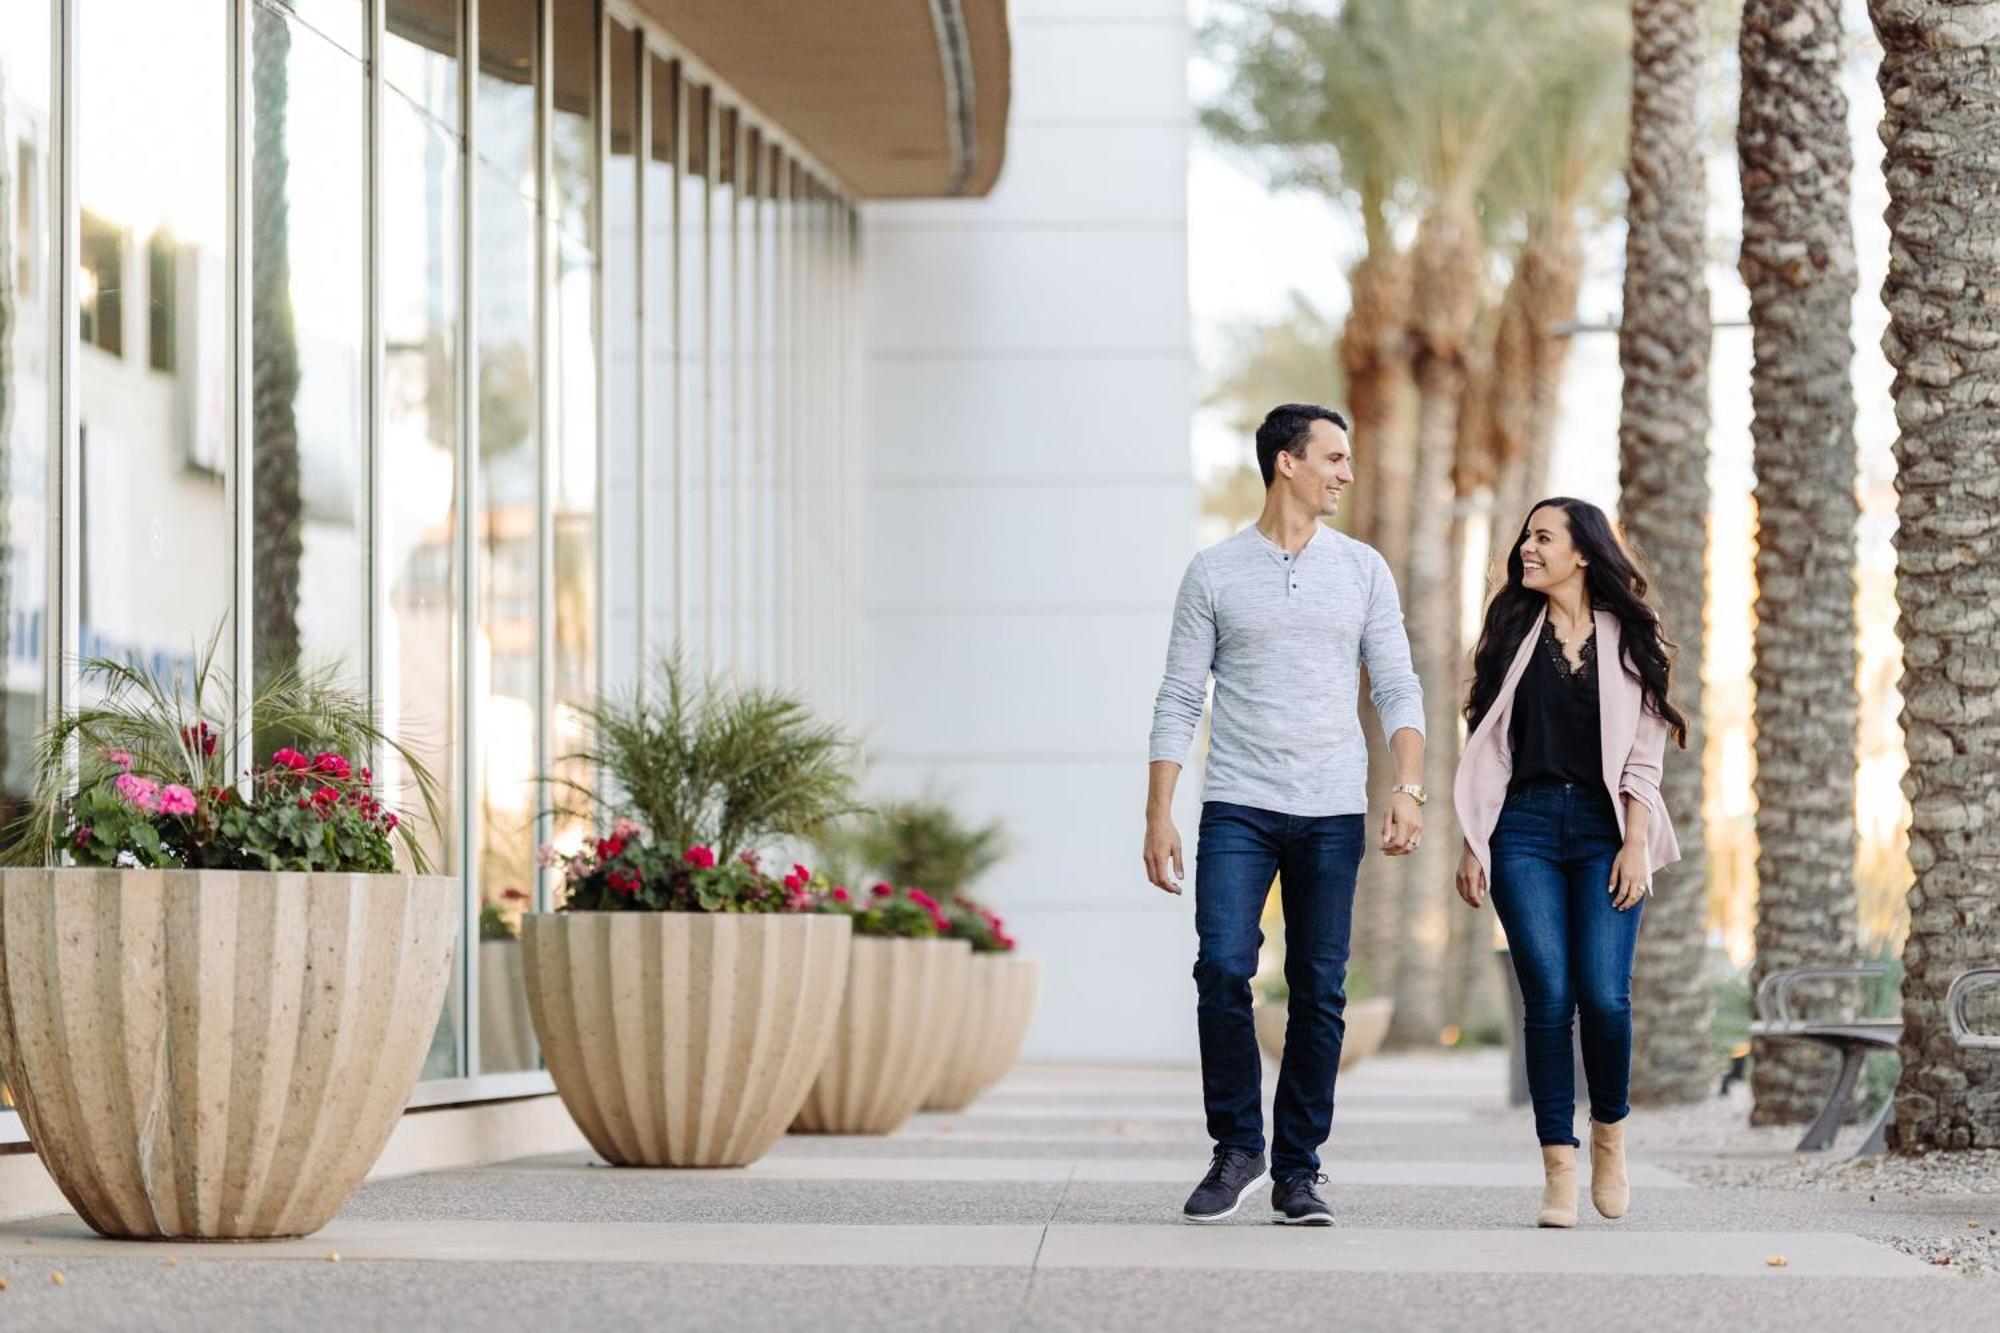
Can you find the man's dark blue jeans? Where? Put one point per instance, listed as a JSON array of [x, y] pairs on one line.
[[1552, 851], [1314, 859]]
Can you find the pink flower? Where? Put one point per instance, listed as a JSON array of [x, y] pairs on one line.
[[122, 758], [334, 765], [391, 821], [801, 871], [546, 857], [176, 800], [626, 829], [840, 893], [701, 858], [796, 881], [923, 900], [881, 890], [83, 832], [138, 791], [942, 922], [292, 759]]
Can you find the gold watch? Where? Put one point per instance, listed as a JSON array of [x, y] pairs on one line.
[[1414, 790]]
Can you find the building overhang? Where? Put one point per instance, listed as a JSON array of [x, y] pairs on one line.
[[900, 99]]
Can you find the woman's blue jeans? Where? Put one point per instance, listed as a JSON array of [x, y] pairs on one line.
[[1314, 859], [1552, 852]]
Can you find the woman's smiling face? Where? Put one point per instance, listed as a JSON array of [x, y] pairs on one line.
[[1548, 557]]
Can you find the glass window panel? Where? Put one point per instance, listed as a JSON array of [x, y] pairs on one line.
[[694, 343], [338, 21], [664, 593], [504, 658], [573, 406], [769, 405], [420, 54], [420, 515], [622, 569], [309, 514], [26, 386], [723, 564], [151, 144]]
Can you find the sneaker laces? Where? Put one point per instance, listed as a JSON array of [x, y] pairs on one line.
[[1220, 1163]]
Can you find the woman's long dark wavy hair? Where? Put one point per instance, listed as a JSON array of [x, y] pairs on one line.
[[1615, 584]]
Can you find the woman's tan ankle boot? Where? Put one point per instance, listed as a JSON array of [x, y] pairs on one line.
[[1558, 1186], [1609, 1188]]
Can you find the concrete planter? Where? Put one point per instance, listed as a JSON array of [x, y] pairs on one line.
[[506, 1032], [1000, 996], [683, 1038], [1367, 1029], [210, 1055], [897, 1023]]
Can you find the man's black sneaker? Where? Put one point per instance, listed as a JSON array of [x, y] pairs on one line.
[[1295, 1202], [1231, 1175]]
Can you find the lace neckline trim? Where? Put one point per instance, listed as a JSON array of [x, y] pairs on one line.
[[1552, 644]]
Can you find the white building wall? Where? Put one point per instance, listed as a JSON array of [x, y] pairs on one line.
[[1028, 506]]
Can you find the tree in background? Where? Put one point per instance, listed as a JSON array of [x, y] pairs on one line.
[[277, 529], [1663, 349], [1798, 263], [1940, 82]]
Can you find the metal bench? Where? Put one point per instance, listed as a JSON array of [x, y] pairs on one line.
[[1853, 1038], [1955, 1000]]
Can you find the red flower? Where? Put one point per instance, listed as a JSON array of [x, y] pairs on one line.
[[199, 735], [881, 890], [626, 882], [83, 832], [334, 765], [923, 900], [292, 759], [804, 875], [326, 796], [701, 858], [840, 893], [607, 848], [391, 821]]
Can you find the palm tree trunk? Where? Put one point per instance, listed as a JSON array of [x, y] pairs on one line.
[[1529, 356], [1940, 82], [1447, 273], [277, 542], [1798, 262], [1375, 355], [1663, 345]]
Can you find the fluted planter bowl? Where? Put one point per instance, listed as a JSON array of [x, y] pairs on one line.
[[1367, 1028], [1000, 997], [217, 1054], [896, 1026], [683, 1038]]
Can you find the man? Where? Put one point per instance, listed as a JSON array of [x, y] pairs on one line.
[[1284, 613]]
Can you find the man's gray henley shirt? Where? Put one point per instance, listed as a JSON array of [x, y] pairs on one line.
[[1285, 637]]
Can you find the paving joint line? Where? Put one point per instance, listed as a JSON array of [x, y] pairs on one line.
[[1035, 1264]]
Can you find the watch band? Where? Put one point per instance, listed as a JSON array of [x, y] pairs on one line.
[[1412, 790]]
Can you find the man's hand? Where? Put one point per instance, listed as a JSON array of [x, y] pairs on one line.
[[1163, 853], [1404, 826]]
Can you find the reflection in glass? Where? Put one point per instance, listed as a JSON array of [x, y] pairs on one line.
[[504, 659], [770, 403], [151, 145], [666, 595], [309, 518], [696, 422], [723, 445], [421, 504], [420, 55], [623, 578], [26, 292], [572, 390]]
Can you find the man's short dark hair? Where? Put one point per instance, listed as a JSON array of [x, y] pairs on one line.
[[1285, 431]]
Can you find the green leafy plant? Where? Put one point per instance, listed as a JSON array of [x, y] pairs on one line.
[[970, 920], [920, 842], [885, 911], [146, 777], [626, 871], [717, 766]]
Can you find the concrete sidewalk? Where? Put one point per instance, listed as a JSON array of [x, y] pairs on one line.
[[1051, 1204]]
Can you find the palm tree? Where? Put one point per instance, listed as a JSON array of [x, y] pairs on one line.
[[1798, 262], [1663, 345], [1555, 181], [278, 541], [1939, 74]]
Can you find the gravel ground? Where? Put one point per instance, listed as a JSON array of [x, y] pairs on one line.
[[1712, 1144]]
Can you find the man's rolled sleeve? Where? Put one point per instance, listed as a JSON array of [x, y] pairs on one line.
[[1190, 654], [1397, 693]]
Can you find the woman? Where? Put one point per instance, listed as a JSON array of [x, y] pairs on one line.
[[1559, 798]]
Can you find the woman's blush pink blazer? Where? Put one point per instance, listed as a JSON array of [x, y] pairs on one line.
[[1634, 741]]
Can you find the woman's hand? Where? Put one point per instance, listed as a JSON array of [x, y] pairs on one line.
[[1471, 878], [1629, 877]]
